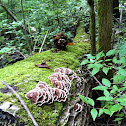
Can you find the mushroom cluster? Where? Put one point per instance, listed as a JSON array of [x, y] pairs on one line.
[[61, 80]]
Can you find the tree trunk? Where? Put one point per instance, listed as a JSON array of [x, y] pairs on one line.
[[105, 24], [92, 26]]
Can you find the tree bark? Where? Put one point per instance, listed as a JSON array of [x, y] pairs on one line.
[[105, 24], [92, 26]]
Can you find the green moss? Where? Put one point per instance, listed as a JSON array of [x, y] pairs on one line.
[[25, 75], [80, 35]]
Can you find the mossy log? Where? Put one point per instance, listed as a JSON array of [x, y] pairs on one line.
[[25, 75]]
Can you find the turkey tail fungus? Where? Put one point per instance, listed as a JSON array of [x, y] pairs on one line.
[[61, 81]]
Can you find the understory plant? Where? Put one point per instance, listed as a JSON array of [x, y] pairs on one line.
[[113, 101]]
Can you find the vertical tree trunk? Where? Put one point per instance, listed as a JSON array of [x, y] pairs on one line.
[[105, 24], [92, 26]]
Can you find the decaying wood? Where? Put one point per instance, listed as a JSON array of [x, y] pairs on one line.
[[69, 116], [22, 102]]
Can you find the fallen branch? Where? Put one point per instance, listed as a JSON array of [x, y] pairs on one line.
[[8, 11], [22, 102], [43, 41]]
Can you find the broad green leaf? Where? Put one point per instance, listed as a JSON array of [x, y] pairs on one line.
[[100, 88], [99, 65], [118, 78], [105, 70], [84, 62], [100, 112], [106, 111], [90, 101], [118, 119], [113, 91], [116, 108], [94, 114], [84, 99], [99, 55], [92, 61], [111, 52], [106, 93], [105, 98], [120, 114], [122, 100], [106, 82], [123, 103], [115, 87], [91, 66], [95, 70], [89, 56], [121, 60], [122, 71]]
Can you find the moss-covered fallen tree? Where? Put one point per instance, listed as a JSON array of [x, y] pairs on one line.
[[25, 75]]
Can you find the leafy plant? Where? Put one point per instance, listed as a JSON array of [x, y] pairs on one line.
[[114, 97]]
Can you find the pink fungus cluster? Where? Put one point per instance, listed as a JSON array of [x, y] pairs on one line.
[[61, 80]]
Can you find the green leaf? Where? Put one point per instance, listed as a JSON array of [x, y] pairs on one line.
[[118, 119], [94, 114], [122, 71], [92, 61], [106, 82], [99, 55], [108, 60], [91, 101], [106, 93], [120, 114], [114, 89], [95, 70], [106, 111], [84, 62], [118, 78], [116, 108], [111, 52], [84, 99], [100, 88], [89, 56], [105, 98], [100, 112], [91, 66], [105, 70]]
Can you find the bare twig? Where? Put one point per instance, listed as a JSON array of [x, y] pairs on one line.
[[95, 78], [22, 102], [43, 41]]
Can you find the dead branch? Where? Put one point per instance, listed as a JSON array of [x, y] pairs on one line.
[[43, 41], [8, 11], [22, 102]]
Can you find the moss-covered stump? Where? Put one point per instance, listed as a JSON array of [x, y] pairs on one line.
[[25, 75]]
